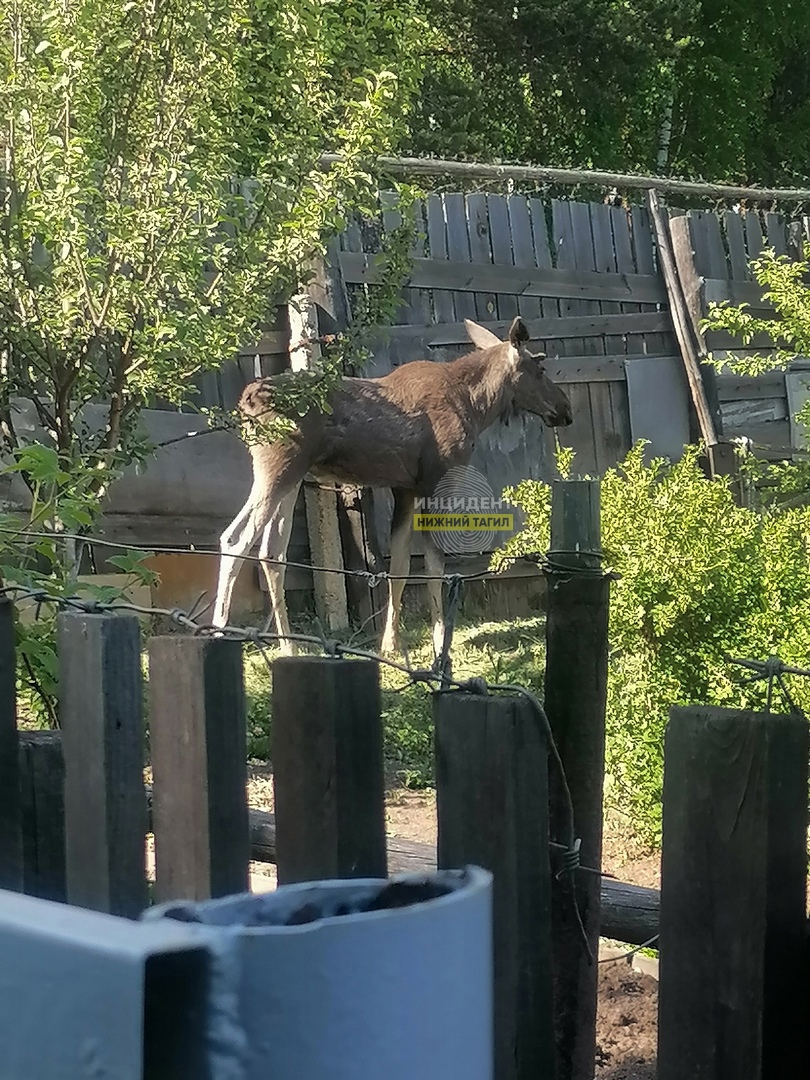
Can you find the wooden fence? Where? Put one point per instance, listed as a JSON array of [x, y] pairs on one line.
[[74, 813], [587, 279]]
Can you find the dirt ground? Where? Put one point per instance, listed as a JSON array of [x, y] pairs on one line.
[[627, 1025]]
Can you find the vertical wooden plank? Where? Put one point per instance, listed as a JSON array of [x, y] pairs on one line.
[[550, 307], [11, 864], [620, 411], [735, 237], [540, 235], [324, 294], [753, 234], [323, 528], [502, 253], [604, 437], [563, 240], [605, 263], [620, 222], [575, 697], [443, 304], [593, 344], [392, 220], [328, 769], [643, 242], [492, 805], [101, 712], [42, 788], [420, 298], [707, 243], [579, 433], [361, 551], [199, 767], [523, 249], [480, 251], [732, 994], [563, 234], [458, 250], [777, 233]]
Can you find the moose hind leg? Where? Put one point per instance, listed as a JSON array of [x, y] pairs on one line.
[[272, 552], [399, 567], [434, 568], [235, 543]]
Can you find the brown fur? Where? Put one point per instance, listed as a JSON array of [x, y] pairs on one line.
[[403, 431]]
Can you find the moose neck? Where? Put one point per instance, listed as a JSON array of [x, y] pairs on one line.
[[485, 378]]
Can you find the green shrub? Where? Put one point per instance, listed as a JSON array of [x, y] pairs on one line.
[[699, 578]]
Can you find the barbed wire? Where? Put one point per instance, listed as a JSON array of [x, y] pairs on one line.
[[374, 578], [631, 952], [437, 676], [771, 670]]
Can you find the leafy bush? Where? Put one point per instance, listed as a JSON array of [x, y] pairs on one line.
[[700, 578], [35, 555]]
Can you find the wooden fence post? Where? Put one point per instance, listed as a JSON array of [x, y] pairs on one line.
[[327, 751], [101, 713], [42, 790], [492, 804], [11, 871], [733, 977], [575, 698], [321, 504], [198, 741]]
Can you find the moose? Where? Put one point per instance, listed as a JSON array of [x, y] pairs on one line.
[[403, 431]]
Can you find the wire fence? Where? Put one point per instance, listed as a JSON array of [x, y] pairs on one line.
[[437, 677]]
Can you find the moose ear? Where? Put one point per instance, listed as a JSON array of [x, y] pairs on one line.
[[518, 333], [480, 336]]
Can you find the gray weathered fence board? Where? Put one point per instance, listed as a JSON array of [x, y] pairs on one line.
[[502, 250], [464, 278], [735, 238], [478, 231]]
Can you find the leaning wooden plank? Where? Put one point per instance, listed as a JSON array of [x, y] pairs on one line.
[[681, 320], [682, 237]]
